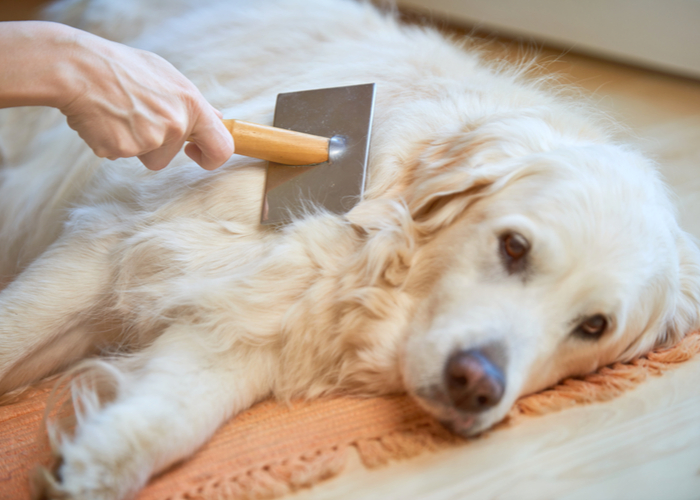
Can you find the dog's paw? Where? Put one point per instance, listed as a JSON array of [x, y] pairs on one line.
[[90, 483], [88, 473]]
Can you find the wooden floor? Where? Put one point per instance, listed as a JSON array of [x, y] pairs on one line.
[[643, 445]]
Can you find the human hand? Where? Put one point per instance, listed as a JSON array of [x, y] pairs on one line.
[[128, 102]]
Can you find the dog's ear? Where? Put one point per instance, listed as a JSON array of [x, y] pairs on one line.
[[450, 173], [444, 176], [677, 308], [686, 316]]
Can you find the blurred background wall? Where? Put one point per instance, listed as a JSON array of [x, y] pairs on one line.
[[658, 34]]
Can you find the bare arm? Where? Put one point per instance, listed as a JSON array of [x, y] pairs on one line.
[[122, 101]]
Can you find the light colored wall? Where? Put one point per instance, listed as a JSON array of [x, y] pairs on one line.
[[661, 34]]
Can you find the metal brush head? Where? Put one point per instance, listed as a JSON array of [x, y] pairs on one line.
[[345, 115]]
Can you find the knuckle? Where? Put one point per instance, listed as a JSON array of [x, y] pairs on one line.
[[151, 145], [178, 127], [102, 152], [147, 143], [126, 151]]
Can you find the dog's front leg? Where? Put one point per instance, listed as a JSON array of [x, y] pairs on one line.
[[181, 392]]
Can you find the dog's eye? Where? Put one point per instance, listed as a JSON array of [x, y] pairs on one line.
[[592, 327], [514, 249]]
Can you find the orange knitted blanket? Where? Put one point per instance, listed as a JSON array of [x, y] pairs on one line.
[[273, 449]]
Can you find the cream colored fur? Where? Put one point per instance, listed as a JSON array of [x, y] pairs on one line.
[[199, 311]]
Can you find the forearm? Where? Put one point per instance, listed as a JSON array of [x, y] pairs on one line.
[[37, 61]]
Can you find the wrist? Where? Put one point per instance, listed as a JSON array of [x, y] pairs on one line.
[[66, 71], [40, 62]]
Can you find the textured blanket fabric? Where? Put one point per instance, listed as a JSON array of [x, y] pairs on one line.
[[273, 449]]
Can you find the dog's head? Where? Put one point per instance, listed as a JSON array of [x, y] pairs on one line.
[[535, 262]]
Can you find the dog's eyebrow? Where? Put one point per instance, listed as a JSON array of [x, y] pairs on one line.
[[577, 320]]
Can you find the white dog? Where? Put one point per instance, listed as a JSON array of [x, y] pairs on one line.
[[504, 242]]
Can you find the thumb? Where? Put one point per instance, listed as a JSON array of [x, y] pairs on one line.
[[213, 141]]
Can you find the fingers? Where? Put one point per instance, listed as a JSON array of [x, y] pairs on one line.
[[212, 146], [193, 151], [161, 157], [212, 143]]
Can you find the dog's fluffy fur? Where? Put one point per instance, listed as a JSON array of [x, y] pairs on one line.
[[204, 312]]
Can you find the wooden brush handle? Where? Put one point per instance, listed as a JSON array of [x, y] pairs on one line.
[[277, 144]]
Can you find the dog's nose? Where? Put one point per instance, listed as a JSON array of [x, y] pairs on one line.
[[473, 382]]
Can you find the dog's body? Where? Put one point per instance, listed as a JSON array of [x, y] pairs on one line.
[[504, 243]]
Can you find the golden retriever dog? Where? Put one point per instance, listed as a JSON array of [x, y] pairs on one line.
[[505, 241]]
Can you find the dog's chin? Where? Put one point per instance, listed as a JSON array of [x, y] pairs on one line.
[[459, 422], [462, 426]]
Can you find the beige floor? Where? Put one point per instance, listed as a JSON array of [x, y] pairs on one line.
[[643, 445]]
